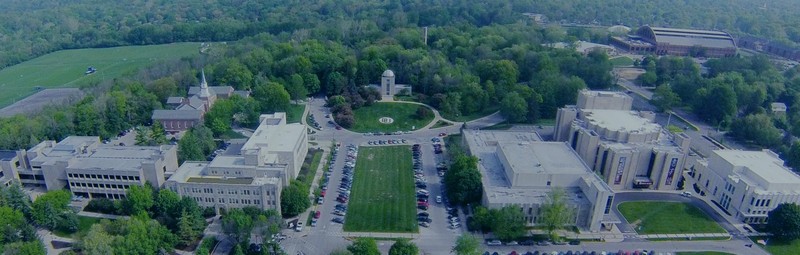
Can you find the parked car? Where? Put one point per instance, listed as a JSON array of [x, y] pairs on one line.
[[494, 242], [299, 226], [317, 214], [339, 220]]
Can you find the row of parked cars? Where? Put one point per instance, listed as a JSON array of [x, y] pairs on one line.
[[346, 184], [387, 133], [313, 122], [453, 221], [389, 141], [421, 183]]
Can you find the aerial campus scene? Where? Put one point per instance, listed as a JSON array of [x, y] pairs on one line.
[[518, 127]]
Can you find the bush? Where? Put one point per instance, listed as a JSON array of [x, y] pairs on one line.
[[103, 205], [209, 212]]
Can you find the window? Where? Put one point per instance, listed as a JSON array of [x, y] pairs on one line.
[[752, 199], [124, 177], [81, 175], [136, 178], [768, 201], [548, 183]]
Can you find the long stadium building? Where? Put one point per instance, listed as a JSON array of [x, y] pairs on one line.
[[679, 42]]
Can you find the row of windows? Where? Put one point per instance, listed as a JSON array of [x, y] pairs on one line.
[[98, 185], [232, 201], [104, 177], [227, 172], [760, 202], [758, 212], [729, 187], [222, 191]]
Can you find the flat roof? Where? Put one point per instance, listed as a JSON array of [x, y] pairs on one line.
[[114, 164], [275, 137], [221, 180], [7, 154], [764, 164], [615, 120], [543, 158]]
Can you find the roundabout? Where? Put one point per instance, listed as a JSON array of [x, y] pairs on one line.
[[389, 117]]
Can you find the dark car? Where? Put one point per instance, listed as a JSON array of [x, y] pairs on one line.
[[421, 219], [575, 242], [338, 220], [423, 214], [422, 207]]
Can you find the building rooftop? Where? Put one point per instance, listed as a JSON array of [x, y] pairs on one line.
[[7, 154], [763, 165], [778, 107], [221, 180], [177, 114], [614, 120], [275, 137], [543, 158], [105, 164], [691, 37], [217, 90]]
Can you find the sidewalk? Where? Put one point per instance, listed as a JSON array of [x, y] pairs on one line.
[[101, 215]]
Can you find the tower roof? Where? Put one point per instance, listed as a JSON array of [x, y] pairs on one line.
[[388, 73], [204, 93]]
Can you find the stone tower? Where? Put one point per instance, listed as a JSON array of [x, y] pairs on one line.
[[387, 83]]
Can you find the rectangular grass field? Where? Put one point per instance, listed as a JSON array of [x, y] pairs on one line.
[[651, 217], [66, 68], [382, 198]]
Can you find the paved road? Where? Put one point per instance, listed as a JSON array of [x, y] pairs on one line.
[[661, 247]]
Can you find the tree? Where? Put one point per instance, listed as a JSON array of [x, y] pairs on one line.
[[166, 203], [47, 208], [509, 223], [294, 199], [187, 232], [482, 220], [157, 134], [345, 120], [793, 157], [648, 79], [25, 248], [664, 98], [16, 198], [11, 219], [138, 200], [784, 222], [364, 246], [467, 244], [238, 225], [237, 250], [297, 90], [463, 180], [756, 128], [272, 97], [403, 247], [68, 222], [514, 107], [97, 241], [556, 213]]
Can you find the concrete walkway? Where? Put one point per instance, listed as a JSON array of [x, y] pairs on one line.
[[48, 237], [102, 215]]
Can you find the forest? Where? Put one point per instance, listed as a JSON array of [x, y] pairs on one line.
[[469, 65], [33, 28]]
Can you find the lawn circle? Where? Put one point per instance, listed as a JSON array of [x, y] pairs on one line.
[[386, 120]]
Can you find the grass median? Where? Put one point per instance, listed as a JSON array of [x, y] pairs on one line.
[[382, 197]]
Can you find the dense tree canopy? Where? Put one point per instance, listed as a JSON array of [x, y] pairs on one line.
[[463, 180], [784, 222]]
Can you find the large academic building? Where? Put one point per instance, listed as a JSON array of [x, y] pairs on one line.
[[518, 168], [678, 42], [747, 184], [253, 175], [627, 148], [87, 167]]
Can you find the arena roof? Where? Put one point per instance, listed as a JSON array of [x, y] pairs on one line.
[[688, 37]]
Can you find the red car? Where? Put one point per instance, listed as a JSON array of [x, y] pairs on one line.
[[442, 134], [322, 194], [317, 214], [422, 204]]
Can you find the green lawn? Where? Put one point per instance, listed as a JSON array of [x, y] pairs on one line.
[[476, 115], [310, 166], [295, 113], [650, 217], [779, 248], [382, 197], [404, 116], [703, 253], [66, 68], [84, 223], [621, 61]]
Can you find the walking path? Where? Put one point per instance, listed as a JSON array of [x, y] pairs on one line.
[[102, 215]]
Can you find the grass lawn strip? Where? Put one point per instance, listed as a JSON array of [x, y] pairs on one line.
[[84, 223], [403, 114], [295, 113], [650, 217], [66, 68], [382, 198], [476, 115], [779, 248]]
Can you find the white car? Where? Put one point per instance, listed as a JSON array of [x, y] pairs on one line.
[[299, 227], [439, 199], [686, 194]]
